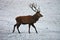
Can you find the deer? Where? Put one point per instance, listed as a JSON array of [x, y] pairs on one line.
[[30, 20]]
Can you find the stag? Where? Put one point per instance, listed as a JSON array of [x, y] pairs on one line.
[[28, 19]]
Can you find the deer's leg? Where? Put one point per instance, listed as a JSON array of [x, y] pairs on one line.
[[29, 28], [14, 28], [18, 28], [35, 28]]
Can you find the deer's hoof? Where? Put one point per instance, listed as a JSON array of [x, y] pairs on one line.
[[29, 32], [19, 32], [36, 32], [12, 32]]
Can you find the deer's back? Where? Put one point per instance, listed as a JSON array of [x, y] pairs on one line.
[[25, 19]]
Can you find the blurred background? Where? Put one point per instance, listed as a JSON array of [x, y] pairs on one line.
[[48, 26]]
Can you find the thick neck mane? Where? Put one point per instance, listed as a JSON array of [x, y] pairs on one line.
[[36, 17]]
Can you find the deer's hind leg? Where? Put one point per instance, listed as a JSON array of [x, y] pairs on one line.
[[18, 27], [14, 28]]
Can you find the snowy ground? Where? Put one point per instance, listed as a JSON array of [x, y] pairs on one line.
[[48, 27]]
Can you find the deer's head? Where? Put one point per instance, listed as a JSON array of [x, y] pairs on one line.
[[36, 9]]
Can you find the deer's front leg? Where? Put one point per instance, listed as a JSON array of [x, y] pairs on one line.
[[34, 28], [18, 28], [29, 28]]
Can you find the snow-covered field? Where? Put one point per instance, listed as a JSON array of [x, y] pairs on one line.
[[48, 26]]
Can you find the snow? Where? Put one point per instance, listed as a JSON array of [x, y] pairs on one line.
[[48, 26]]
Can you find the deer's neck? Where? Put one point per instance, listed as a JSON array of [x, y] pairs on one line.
[[36, 17]]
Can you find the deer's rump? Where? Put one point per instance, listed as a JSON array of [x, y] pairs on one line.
[[25, 19]]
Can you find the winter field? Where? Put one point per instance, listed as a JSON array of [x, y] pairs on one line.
[[48, 26]]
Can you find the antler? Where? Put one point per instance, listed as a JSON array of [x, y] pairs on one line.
[[38, 9], [33, 7]]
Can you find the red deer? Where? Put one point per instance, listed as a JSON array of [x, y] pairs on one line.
[[28, 19]]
